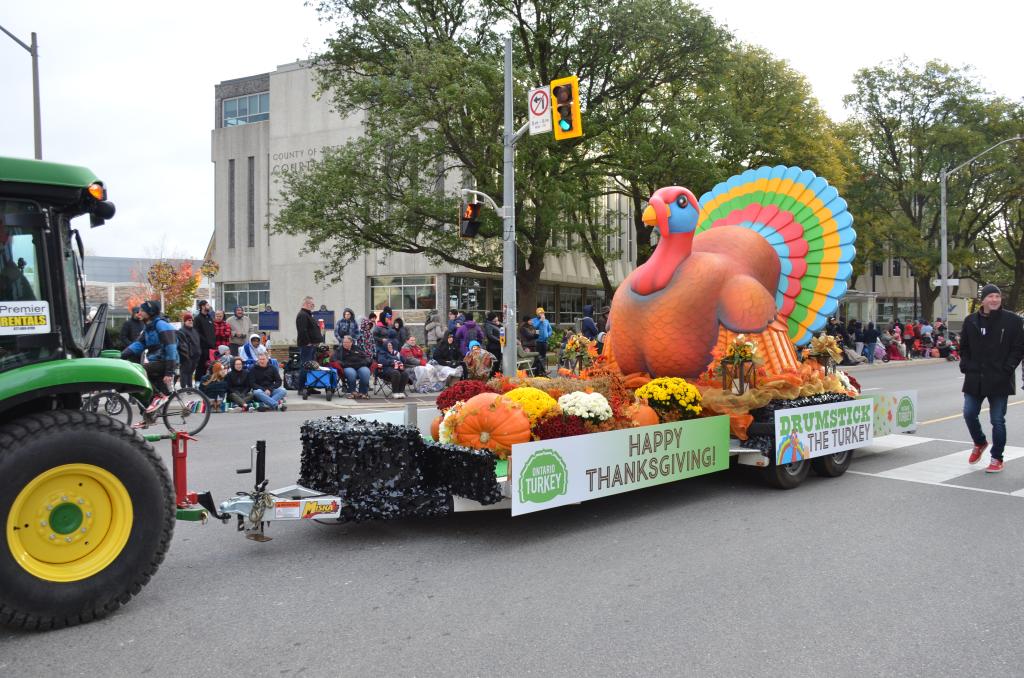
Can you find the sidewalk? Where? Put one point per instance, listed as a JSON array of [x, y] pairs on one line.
[[339, 402], [893, 363]]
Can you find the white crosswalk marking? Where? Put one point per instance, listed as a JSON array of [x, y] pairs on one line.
[[891, 442], [942, 469], [938, 471]]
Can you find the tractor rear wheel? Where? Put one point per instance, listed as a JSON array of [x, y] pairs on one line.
[[86, 513]]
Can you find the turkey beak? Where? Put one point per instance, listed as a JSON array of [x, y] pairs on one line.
[[653, 219], [650, 217]]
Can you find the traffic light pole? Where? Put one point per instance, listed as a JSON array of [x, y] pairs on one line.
[[508, 277]]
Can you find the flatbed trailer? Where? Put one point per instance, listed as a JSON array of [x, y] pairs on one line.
[[539, 474]]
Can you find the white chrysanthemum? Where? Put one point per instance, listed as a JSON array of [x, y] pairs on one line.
[[592, 406]]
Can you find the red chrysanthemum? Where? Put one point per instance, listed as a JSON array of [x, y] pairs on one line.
[[460, 390], [560, 426]]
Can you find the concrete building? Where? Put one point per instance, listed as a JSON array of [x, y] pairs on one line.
[[887, 289], [267, 122]]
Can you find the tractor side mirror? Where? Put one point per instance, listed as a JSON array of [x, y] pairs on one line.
[[101, 211]]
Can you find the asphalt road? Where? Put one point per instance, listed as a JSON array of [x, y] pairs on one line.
[[862, 575]]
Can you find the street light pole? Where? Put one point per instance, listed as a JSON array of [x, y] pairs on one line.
[[33, 50], [508, 230], [944, 262]]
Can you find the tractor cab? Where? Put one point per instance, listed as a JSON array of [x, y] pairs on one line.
[[49, 352]]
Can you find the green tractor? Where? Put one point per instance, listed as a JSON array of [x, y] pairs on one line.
[[86, 505]]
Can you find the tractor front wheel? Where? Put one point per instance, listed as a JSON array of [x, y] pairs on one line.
[[87, 514]]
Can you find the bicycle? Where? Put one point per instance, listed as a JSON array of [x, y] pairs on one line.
[[186, 409]]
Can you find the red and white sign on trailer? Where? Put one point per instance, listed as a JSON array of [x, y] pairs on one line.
[[539, 103]]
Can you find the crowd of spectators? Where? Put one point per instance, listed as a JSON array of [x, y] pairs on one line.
[[899, 340]]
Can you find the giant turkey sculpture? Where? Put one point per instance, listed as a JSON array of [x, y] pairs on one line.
[[770, 247]]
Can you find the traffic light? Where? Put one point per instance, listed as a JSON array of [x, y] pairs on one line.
[[565, 108], [469, 220]]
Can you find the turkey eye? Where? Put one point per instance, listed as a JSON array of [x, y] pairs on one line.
[[682, 201]]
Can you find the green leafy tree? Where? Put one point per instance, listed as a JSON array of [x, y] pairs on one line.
[[427, 78], [748, 109], [908, 123]]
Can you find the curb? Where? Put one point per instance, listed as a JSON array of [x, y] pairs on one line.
[[891, 364], [347, 404]]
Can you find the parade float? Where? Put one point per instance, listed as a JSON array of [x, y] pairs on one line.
[[712, 354]]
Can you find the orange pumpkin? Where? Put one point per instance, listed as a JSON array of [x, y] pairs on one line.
[[435, 427], [644, 415], [635, 380], [489, 421]]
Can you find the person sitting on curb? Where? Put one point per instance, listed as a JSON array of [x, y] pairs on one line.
[[412, 354], [214, 386], [249, 352], [478, 362], [239, 382], [447, 355], [355, 364], [266, 383], [390, 361]]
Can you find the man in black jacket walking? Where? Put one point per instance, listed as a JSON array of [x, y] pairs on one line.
[[207, 337], [308, 337], [991, 347]]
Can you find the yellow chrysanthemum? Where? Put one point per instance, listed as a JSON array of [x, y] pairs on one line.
[[535, 402]]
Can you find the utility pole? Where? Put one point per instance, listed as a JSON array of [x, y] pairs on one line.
[[944, 261], [33, 50], [508, 268]]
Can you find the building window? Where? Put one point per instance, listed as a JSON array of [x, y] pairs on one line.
[[876, 268], [251, 202], [546, 300], [895, 267], [243, 110], [251, 296], [570, 304], [231, 203], [620, 221], [467, 294], [403, 292]]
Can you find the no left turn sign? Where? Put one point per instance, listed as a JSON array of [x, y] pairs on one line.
[[540, 101], [539, 104]]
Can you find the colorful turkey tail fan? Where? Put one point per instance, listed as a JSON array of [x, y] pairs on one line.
[[807, 223]]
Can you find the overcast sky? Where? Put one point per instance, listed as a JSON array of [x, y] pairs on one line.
[[127, 87]]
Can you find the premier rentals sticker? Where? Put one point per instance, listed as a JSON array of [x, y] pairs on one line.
[[24, 317]]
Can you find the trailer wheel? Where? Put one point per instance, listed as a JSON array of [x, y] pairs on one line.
[[87, 511], [832, 465], [787, 476], [329, 394]]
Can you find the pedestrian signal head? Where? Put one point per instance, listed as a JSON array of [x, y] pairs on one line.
[[469, 220]]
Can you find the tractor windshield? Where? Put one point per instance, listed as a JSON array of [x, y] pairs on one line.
[[25, 314]]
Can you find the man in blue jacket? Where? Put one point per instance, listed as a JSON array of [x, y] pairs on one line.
[[160, 343], [543, 327]]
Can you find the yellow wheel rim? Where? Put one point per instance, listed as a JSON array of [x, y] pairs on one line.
[[69, 523]]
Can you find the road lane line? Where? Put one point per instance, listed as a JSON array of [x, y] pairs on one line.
[[1018, 493], [961, 414]]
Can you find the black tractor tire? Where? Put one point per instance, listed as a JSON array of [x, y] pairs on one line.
[[787, 476], [832, 465], [46, 443]]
